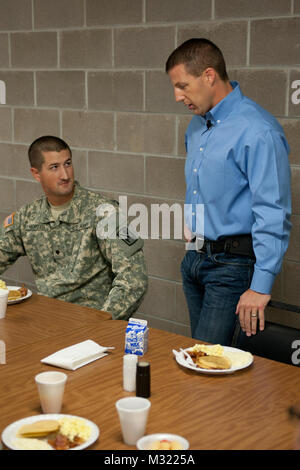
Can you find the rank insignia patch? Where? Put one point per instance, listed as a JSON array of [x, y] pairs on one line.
[[125, 235]]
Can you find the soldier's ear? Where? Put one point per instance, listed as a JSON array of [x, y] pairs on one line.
[[35, 173]]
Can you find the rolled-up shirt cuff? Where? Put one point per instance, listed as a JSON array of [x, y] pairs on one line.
[[262, 281]]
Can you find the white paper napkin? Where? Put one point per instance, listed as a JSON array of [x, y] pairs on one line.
[[76, 356]]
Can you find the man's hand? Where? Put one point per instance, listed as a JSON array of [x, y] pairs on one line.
[[188, 235], [251, 308]]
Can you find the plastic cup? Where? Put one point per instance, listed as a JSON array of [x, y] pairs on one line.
[[51, 386], [3, 302], [133, 414]]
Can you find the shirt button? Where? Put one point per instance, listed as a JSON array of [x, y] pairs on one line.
[[195, 170], [218, 121], [193, 213], [201, 149], [195, 192]]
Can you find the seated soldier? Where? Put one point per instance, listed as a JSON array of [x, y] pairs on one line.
[[71, 259]]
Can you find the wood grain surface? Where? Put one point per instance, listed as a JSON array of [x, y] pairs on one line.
[[244, 410]]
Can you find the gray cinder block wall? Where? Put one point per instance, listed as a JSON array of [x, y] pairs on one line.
[[92, 72]]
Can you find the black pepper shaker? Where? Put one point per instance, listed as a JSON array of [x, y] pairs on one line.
[[143, 379]]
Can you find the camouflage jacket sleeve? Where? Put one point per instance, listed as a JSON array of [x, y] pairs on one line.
[[130, 280], [11, 246]]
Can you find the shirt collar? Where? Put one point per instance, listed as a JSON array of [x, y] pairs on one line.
[[222, 110], [71, 215]]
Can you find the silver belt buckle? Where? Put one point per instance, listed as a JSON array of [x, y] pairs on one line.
[[199, 244]]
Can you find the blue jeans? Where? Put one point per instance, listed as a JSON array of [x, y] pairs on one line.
[[213, 284]]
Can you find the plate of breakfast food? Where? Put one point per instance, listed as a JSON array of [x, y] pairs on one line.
[[50, 432], [18, 294], [162, 441], [213, 359]]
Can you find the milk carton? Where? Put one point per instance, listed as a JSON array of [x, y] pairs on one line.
[[136, 337]]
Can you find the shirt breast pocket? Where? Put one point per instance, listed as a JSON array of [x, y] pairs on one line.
[[211, 177], [84, 247], [38, 248]]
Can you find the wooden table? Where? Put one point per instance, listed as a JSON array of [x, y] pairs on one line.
[[244, 410]]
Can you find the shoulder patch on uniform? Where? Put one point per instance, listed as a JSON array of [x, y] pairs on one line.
[[129, 242], [9, 220], [127, 236]]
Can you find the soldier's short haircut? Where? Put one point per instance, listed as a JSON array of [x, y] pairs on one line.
[[46, 143], [197, 54]]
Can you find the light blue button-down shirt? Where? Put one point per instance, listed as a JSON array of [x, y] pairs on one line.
[[239, 170]]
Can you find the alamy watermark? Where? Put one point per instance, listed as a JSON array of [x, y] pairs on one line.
[[296, 354], [295, 98], [2, 92], [157, 221], [2, 352]]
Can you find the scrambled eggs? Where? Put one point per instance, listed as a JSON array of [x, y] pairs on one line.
[[72, 427], [2, 285]]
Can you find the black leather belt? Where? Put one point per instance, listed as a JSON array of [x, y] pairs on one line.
[[240, 245]]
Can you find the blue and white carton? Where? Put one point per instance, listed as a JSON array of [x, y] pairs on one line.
[[136, 337]]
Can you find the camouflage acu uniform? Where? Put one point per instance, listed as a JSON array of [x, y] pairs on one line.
[[70, 262]]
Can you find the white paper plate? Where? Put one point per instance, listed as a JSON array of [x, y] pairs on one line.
[[183, 361], [9, 435], [16, 301], [145, 442]]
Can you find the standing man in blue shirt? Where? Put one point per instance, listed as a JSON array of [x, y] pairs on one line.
[[237, 167]]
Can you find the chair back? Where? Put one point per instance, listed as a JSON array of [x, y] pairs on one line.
[[277, 342]]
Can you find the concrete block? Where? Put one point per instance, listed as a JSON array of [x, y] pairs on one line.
[[88, 129], [146, 133], [58, 13], [143, 47], [113, 12], [116, 172], [7, 195], [29, 124], [61, 89], [15, 15], [4, 60], [244, 8], [27, 191], [291, 282], [293, 251], [291, 129], [165, 177], [116, 91], [160, 94], [183, 122], [255, 83], [34, 50], [164, 258], [86, 48], [5, 124], [19, 88], [14, 161], [282, 44], [177, 10], [230, 37], [160, 299]]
